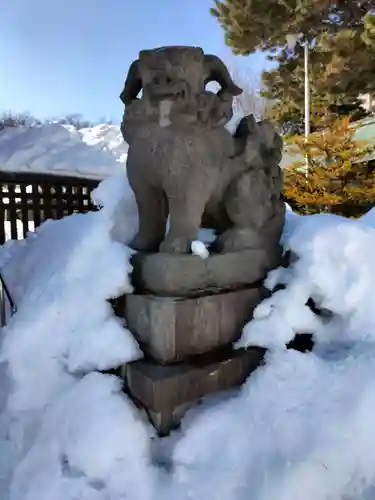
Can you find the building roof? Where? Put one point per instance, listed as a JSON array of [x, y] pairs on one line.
[[365, 132]]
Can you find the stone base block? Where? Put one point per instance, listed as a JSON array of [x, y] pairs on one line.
[[166, 392], [170, 329], [183, 275]]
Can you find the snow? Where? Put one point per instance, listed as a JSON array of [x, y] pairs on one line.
[[61, 277], [106, 138], [200, 249], [335, 267], [301, 426], [94, 153], [90, 445]]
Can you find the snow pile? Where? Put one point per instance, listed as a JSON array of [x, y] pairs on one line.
[[106, 138], [336, 269], [301, 426], [62, 150], [61, 277]]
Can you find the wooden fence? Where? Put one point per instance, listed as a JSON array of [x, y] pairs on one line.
[[26, 200]]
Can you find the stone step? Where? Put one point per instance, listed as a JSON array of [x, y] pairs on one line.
[[183, 274], [170, 329], [166, 392]]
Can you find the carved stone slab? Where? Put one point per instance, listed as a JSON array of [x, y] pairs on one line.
[[184, 274], [166, 392], [170, 329]]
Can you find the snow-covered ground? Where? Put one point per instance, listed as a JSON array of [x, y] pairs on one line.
[[94, 153], [300, 427]]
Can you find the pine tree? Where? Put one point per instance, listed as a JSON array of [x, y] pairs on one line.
[[251, 25], [339, 38], [338, 177]]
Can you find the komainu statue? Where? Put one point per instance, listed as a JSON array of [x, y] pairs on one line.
[[183, 163], [186, 311]]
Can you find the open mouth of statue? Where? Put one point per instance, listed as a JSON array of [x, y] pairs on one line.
[[175, 92]]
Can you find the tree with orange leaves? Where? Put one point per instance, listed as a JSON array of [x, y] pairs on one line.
[[338, 178]]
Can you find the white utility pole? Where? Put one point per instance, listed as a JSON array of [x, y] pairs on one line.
[[292, 40], [307, 100]]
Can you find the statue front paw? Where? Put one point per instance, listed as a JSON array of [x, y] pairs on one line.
[[175, 244], [142, 243]]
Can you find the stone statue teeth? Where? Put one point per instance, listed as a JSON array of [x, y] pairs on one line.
[[164, 110]]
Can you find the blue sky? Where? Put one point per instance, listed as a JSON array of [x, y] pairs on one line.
[[71, 56]]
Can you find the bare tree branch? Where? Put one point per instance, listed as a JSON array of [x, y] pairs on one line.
[[250, 101]]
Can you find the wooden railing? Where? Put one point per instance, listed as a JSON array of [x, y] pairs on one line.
[[26, 200]]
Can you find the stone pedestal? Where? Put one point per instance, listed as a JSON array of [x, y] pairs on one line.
[[186, 326], [168, 391], [170, 329]]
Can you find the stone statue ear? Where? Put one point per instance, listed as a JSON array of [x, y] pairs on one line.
[[133, 84], [251, 124], [270, 136], [246, 126], [273, 143], [216, 71]]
